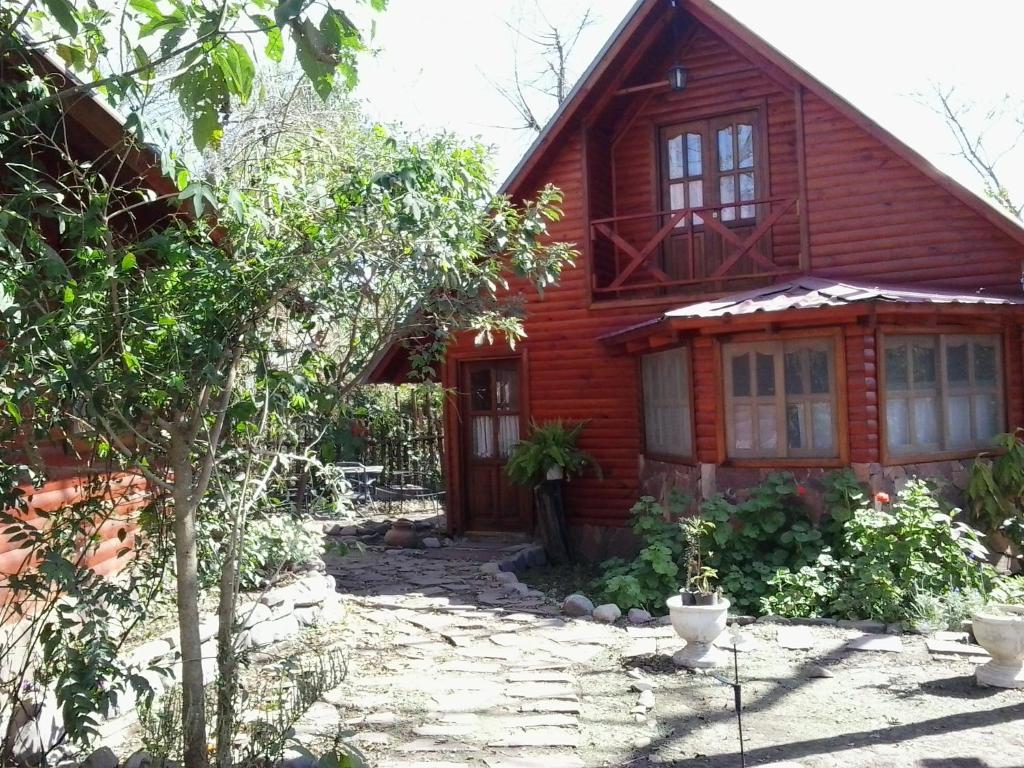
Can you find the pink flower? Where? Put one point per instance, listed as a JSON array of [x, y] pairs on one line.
[[882, 497], [801, 491]]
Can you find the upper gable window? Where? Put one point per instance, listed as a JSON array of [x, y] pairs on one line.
[[712, 163]]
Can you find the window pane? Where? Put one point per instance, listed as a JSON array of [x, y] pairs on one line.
[[986, 419], [483, 437], [767, 429], [747, 193], [820, 384], [666, 402], [745, 135], [897, 422], [677, 196], [896, 368], [726, 161], [765, 375], [958, 421], [480, 390], [508, 434], [741, 376], [821, 426], [923, 356], [956, 364], [985, 364], [727, 194], [697, 198], [743, 427], [794, 374], [926, 421], [795, 427], [693, 154], [676, 169], [506, 389]]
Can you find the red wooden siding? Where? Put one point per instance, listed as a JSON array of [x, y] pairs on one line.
[[873, 216]]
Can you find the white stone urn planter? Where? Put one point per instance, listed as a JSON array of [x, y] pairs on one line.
[[699, 626], [999, 629]]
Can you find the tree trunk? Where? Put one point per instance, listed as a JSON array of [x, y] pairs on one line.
[[193, 714], [551, 521], [227, 664]]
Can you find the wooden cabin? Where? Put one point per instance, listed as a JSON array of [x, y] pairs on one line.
[[72, 472], [767, 281]]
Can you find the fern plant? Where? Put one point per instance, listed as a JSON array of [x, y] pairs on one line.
[[551, 444]]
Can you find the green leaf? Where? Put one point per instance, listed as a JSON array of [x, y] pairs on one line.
[[128, 262], [274, 48], [64, 14], [147, 7], [237, 67], [69, 294]]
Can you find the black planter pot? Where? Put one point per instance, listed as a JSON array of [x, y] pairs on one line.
[[705, 598]]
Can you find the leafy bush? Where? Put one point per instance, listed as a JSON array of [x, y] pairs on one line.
[[995, 492], [751, 541], [653, 575]]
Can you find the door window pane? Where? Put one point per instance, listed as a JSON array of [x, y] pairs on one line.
[[747, 193], [508, 434], [676, 168], [480, 390], [693, 154], [726, 160], [506, 389], [483, 437], [727, 194], [745, 134]]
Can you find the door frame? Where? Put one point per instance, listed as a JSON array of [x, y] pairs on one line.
[[454, 464]]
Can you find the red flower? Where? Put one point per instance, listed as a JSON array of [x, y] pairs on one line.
[[801, 491], [882, 497]]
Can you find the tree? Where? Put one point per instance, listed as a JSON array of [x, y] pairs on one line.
[[974, 144], [535, 95], [163, 346]]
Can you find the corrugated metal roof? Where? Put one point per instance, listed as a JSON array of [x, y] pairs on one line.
[[816, 292], [808, 293]]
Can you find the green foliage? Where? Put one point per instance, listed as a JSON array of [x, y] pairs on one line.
[[653, 575], [751, 540], [211, 50], [550, 445], [995, 491]]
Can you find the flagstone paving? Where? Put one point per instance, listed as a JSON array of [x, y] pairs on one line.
[[450, 668]]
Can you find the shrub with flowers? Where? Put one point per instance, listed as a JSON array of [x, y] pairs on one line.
[[867, 558]]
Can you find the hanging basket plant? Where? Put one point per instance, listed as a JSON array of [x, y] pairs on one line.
[[550, 452]]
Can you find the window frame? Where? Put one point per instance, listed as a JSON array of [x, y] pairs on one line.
[[916, 453], [834, 339], [688, 456]]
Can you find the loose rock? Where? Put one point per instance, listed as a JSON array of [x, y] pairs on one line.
[[577, 605], [431, 542], [638, 616], [646, 699], [608, 612], [103, 757], [506, 577]]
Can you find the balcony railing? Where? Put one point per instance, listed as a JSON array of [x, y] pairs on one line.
[[694, 250]]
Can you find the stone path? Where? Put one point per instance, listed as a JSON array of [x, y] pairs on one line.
[[452, 665], [479, 667]]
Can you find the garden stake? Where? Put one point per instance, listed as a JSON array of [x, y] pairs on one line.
[[737, 695]]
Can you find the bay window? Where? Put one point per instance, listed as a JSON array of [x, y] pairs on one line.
[[780, 399], [943, 392]]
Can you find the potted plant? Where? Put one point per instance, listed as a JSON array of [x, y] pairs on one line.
[[699, 611], [999, 629], [543, 460], [549, 453]]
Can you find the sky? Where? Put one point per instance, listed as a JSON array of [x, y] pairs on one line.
[[437, 63]]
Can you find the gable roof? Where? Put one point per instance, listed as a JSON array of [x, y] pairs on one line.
[[760, 53]]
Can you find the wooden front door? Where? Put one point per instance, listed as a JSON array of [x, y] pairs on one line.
[[492, 421]]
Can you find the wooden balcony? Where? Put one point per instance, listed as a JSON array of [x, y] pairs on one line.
[[695, 251]]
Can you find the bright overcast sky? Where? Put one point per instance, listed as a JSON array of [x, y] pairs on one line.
[[438, 60]]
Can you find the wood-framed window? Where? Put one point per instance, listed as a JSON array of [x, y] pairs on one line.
[[714, 162], [942, 392], [780, 399], [668, 420]]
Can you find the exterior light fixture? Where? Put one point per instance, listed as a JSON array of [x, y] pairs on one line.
[[677, 77]]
